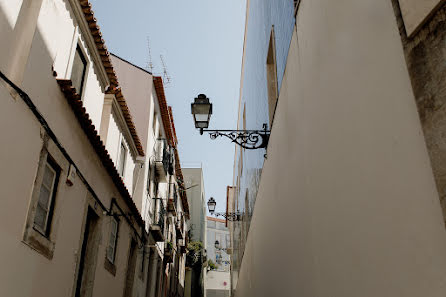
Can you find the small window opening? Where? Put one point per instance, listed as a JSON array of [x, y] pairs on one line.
[[79, 70], [42, 218], [271, 77], [111, 247], [122, 159]]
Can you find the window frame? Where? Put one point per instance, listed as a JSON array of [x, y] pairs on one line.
[[272, 77], [49, 162], [115, 241], [44, 242], [83, 58], [122, 159]]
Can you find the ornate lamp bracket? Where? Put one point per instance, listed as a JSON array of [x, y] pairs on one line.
[[230, 216], [248, 139]]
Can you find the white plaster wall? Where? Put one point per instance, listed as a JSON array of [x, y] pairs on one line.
[[10, 9], [136, 86], [113, 146], [8, 14], [347, 189], [193, 178], [57, 27], [24, 272], [113, 138], [215, 280], [415, 12], [93, 97]]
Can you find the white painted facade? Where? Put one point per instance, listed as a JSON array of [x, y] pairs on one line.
[[217, 284], [139, 89], [39, 41], [218, 280]]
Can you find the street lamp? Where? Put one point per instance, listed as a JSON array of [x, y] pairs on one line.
[[230, 216], [201, 111], [217, 244], [248, 139], [211, 205]]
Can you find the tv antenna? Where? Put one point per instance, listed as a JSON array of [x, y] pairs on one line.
[[149, 65], [166, 77]]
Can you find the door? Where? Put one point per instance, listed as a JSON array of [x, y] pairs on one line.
[[130, 270], [87, 263]]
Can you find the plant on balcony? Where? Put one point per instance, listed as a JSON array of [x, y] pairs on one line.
[[212, 265], [195, 251]]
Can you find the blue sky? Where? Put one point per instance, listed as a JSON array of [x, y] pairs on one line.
[[201, 42]]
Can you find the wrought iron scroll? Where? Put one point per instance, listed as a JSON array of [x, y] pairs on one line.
[[230, 216], [248, 139]]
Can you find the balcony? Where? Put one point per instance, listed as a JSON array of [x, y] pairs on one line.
[[173, 199], [162, 159], [157, 227], [179, 227], [168, 252]]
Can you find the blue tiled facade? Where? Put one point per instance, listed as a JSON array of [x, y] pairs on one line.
[[262, 15]]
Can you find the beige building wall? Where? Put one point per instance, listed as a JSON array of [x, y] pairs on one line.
[[416, 12], [347, 204]]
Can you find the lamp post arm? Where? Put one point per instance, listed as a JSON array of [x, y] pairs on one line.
[[230, 216], [248, 139]]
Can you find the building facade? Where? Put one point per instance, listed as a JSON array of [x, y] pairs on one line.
[[347, 176], [196, 268], [82, 215], [218, 242]]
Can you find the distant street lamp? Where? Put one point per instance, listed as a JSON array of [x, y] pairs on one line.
[[218, 247], [230, 216], [211, 205], [248, 139]]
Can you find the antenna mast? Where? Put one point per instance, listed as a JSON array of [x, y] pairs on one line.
[[149, 65], [166, 77]]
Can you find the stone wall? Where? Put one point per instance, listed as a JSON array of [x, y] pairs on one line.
[[425, 54]]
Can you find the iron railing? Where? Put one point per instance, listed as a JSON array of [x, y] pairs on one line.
[[162, 154], [159, 213]]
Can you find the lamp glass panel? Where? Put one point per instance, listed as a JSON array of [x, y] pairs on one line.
[[201, 117], [201, 108]]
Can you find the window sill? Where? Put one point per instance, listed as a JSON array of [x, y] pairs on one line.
[[38, 242], [110, 267]]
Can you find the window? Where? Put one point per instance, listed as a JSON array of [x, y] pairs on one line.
[[149, 179], [78, 71], [211, 224], [122, 159], [154, 123], [271, 77], [43, 216], [111, 247]]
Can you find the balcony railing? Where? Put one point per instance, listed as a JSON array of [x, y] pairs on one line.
[[157, 227], [179, 226], [162, 158], [173, 198]]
